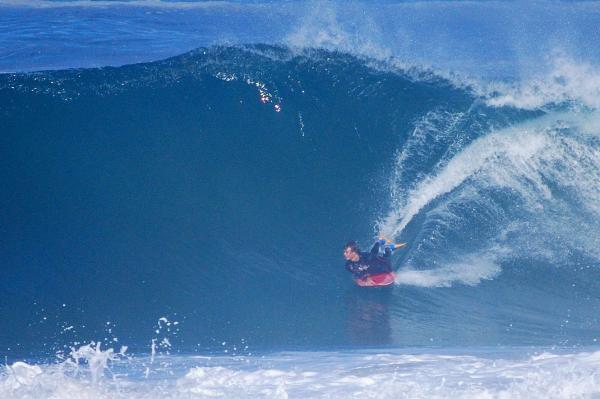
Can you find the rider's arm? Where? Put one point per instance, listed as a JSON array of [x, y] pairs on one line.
[[375, 249]]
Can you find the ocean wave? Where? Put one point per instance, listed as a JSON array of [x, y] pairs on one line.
[[221, 183]]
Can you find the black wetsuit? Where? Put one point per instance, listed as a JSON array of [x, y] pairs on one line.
[[371, 263]]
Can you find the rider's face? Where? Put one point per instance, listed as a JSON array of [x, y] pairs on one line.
[[349, 254]]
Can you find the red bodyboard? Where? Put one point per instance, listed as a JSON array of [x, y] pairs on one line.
[[376, 280]]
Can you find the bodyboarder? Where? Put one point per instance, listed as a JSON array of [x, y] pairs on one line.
[[371, 268]]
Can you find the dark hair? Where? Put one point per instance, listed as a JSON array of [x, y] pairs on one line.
[[352, 245]]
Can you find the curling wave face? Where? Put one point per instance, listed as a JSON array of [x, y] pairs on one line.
[[214, 186]]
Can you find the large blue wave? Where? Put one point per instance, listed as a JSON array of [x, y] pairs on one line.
[[217, 188]]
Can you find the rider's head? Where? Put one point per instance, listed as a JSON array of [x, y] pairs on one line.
[[351, 251]]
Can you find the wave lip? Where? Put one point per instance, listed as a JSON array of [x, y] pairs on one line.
[[567, 81]]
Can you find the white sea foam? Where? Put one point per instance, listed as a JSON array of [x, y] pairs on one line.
[[362, 373], [549, 166], [470, 271], [567, 80], [560, 79], [512, 146], [321, 27]]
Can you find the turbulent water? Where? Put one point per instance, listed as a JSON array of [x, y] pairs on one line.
[[363, 373], [174, 228]]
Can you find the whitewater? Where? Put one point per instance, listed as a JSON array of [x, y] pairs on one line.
[[179, 178], [364, 373]]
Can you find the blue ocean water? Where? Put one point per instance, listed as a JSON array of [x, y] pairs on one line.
[[180, 177]]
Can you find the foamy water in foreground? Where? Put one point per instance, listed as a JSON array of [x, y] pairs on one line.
[[90, 372]]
